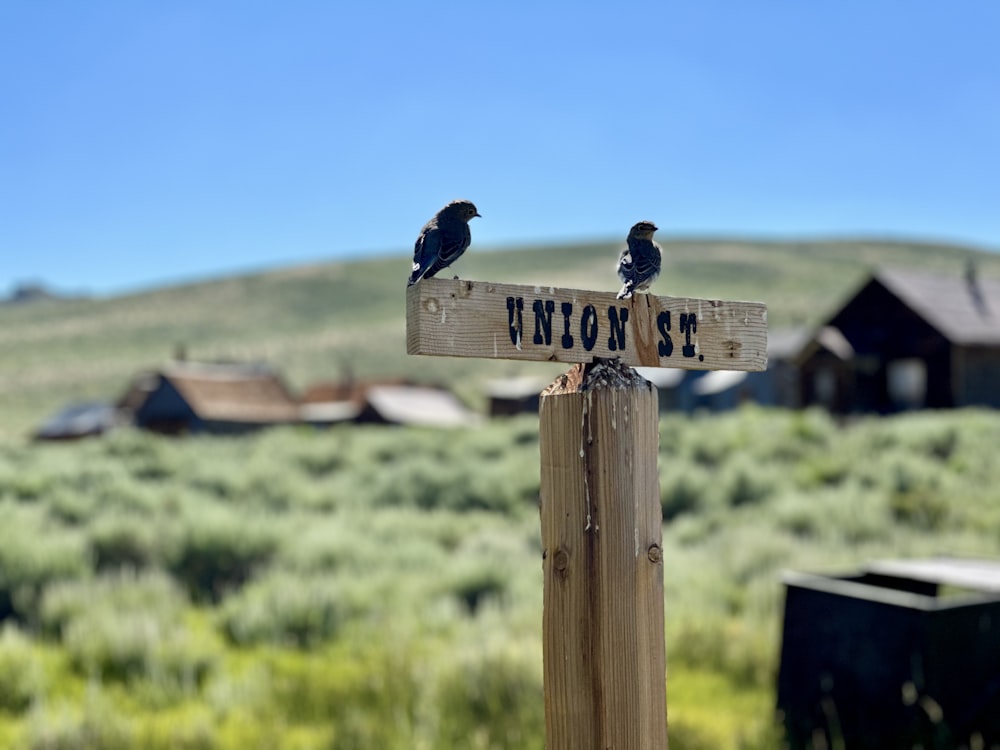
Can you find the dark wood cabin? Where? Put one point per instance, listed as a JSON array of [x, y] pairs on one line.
[[908, 340]]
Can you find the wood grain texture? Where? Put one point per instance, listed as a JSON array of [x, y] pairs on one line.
[[458, 318], [603, 640]]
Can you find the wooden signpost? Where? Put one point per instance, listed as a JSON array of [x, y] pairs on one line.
[[603, 642]]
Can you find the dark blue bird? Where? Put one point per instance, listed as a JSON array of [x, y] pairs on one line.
[[442, 240], [639, 263]]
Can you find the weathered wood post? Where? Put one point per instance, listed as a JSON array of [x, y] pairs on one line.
[[604, 656]]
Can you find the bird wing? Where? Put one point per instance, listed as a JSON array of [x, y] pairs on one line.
[[450, 246], [425, 251], [645, 265], [453, 244]]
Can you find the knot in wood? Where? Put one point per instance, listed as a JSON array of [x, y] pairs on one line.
[[561, 561], [654, 553]]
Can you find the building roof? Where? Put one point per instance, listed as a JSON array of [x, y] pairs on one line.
[[233, 393], [833, 340], [717, 381], [966, 573], [663, 378], [79, 420], [414, 405], [348, 389], [524, 386], [786, 343], [966, 310]]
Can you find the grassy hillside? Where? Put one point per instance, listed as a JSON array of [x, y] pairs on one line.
[[312, 320]]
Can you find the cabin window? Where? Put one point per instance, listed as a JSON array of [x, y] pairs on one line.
[[907, 383], [825, 386]]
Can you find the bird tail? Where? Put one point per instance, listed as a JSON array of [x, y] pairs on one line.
[[416, 275], [626, 292]]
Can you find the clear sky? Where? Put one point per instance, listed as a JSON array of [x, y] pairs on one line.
[[144, 143]]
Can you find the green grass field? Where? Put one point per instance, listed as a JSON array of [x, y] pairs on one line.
[[376, 587]]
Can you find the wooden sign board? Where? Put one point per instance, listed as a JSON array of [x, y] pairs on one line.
[[459, 318]]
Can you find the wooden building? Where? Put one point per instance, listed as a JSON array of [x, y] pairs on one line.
[[80, 420], [392, 401], [508, 397], [908, 340], [221, 398], [414, 405], [898, 654], [347, 389]]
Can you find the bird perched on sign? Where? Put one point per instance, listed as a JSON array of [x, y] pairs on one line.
[[442, 240], [639, 263]]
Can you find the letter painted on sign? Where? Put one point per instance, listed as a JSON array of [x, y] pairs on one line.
[[588, 327], [666, 345], [515, 306], [617, 318], [689, 325], [543, 321], [567, 311]]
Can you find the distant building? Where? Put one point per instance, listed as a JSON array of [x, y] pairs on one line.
[[79, 421], [219, 398], [826, 373], [780, 384], [669, 383], [414, 405], [508, 397], [719, 390], [347, 389], [394, 401], [908, 340]]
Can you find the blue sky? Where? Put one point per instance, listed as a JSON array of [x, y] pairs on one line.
[[144, 143]]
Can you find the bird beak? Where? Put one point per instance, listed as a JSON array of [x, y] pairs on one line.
[[477, 214]]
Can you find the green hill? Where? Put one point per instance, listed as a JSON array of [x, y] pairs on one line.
[[313, 321]]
